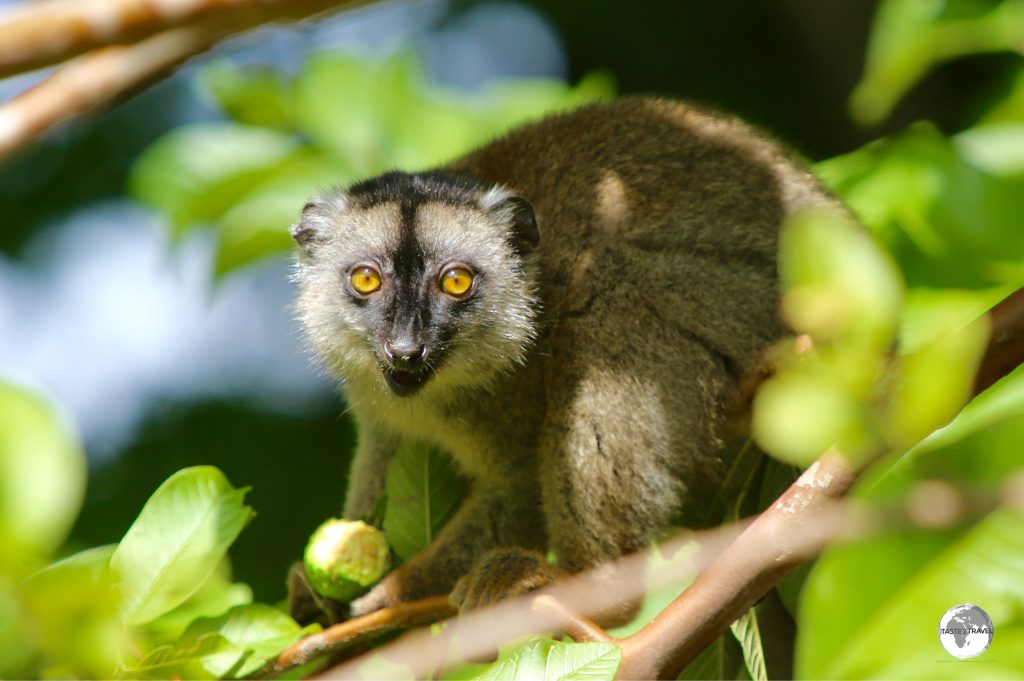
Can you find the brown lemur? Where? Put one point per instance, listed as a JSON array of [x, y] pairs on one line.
[[566, 311]]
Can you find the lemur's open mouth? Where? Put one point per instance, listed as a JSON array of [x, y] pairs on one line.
[[404, 383]]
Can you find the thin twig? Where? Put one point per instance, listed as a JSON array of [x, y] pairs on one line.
[[337, 638]]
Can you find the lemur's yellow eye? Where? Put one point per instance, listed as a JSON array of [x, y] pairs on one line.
[[456, 281], [365, 279]]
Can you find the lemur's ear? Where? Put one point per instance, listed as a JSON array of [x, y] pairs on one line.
[[308, 232], [525, 234]]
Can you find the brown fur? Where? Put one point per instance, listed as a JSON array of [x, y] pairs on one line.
[[653, 286]]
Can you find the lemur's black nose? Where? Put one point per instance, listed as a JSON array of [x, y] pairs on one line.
[[404, 354]]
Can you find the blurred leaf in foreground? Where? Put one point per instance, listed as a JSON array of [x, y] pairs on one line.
[[911, 37], [42, 480], [70, 611]]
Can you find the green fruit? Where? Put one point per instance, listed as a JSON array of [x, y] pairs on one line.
[[344, 557]]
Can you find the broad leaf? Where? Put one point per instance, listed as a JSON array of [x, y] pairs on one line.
[[896, 637], [216, 596], [71, 609], [42, 480], [892, 589], [250, 95], [177, 541], [424, 489], [257, 225], [212, 657], [260, 629], [547, 660], [196, 173]]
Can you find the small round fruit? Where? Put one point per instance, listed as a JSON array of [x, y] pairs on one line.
[[344, 557]]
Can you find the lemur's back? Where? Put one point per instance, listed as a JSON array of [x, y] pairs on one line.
[[665, 206]]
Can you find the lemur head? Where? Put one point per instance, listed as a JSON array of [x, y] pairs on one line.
[[417, 281]]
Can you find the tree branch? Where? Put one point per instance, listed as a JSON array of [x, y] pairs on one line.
[[52, 31], [171, 31], [93, 81]]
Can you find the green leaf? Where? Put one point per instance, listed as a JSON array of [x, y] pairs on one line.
[[891, 589], [995, 148], [723, 659], [195, 173], [891, 631], [260, 629], [547, 660], [70, 608], [945, 220], [424, 489], [15, 649], [177, 541], [257, 225], [911, 37], [212, 657], [256, 96], [748, 633], [42, 480], [838, 283], [935, 382], [214, 597]]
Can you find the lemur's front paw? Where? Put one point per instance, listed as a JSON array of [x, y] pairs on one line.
[[388, 592], [500, 574]]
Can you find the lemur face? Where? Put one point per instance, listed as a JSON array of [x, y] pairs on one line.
[[417, 280]]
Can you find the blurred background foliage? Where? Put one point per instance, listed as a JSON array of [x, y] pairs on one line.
[[144, 341]]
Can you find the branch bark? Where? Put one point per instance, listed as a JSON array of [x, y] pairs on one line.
[[169, 32], [49, 32]]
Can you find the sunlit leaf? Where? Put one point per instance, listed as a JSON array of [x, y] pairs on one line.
[[935, 382], [424, 489], [910, 37], [212, 657], [217, 594], [797, 418], [260, 629], [945, 220], [888, 623], [42, 480], [257, 96], [176, 542], [547, 660], [748, 632], [257, 225], [995, 148], [15, 649], [197, 172], [70, 611], [838, 282], [891, 589]]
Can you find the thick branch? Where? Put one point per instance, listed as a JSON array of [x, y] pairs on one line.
[[49, 32], [93, 81], [98, 78]]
